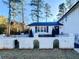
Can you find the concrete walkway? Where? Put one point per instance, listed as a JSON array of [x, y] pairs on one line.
[[39, 54]]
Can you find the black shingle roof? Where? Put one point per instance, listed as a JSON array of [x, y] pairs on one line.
[[45, 24], [16, 1]]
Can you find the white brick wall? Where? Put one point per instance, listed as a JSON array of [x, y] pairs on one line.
[[26, 42]]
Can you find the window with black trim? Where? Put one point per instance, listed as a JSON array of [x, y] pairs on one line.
[[41, 29]]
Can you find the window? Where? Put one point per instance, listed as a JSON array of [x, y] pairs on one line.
[[45, 29], [36, 29], [41, 29]]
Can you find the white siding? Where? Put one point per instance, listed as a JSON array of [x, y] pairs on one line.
[[33, 29], [50, 29], [36, 34], [72, 23]]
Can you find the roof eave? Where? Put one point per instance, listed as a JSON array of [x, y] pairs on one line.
[[73, 7]]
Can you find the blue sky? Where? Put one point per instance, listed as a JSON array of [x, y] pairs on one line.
[[53, 3]]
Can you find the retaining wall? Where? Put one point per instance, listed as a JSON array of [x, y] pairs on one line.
[[44, 42]]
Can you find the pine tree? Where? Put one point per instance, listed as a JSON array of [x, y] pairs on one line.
[[62, 10], [68, 4], [36, 11], [13, 11], [47, 9]]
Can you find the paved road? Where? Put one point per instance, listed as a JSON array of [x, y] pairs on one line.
[[39, 54]]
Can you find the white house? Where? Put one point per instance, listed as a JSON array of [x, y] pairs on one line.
[[70, 22], [45, 42], [45, 29], [44, 32]]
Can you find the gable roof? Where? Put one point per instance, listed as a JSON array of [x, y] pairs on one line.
[[69, 11], [45, 24]]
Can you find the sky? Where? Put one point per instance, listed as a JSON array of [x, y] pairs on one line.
[[54, 9]]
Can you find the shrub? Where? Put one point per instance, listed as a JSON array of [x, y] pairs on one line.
[[2, 30], [16, 44]]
